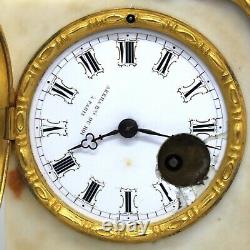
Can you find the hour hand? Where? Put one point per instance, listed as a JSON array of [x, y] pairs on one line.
[[101, 137], [91, 142], [88, 142]]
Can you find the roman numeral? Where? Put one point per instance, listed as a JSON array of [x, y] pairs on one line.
[[126, 52], [166, 193], [59, 89], [90, 193], [89, 62], [64, 165], [49, 128], [128, 201], [187, 94], [203, 127], [167, 59], [197, 87]]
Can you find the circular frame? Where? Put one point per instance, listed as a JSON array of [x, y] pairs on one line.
[[180, 31], [244, 4], [5, 102]]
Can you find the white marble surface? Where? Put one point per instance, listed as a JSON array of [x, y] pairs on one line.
[[28, 24], [2, 228]]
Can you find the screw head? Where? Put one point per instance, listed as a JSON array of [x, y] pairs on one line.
[[130, 18], [128, 128]]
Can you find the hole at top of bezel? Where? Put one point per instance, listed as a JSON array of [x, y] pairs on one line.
[[130, 18]]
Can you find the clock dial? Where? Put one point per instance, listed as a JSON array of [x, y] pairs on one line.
[[95, 166]]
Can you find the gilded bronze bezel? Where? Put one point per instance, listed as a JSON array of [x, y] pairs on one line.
[[5, 101], [157, 22], [244, 4]]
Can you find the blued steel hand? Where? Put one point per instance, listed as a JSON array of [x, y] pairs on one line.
[[90, 140], [101, 137], [219, 136], [151, 132], [127, 128], [218, 148]]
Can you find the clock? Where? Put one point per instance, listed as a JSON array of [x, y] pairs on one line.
[[128, 124]]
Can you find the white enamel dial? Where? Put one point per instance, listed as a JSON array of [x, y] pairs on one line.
[[94, 85]]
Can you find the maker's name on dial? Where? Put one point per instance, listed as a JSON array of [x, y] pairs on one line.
[[92, 108]]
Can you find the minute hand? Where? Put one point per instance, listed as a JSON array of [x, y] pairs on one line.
[[151, 132]]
